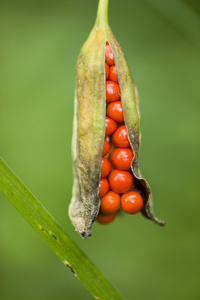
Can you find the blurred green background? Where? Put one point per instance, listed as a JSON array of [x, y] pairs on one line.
[[40, 43]]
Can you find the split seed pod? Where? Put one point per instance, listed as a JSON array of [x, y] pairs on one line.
[[89, 124]]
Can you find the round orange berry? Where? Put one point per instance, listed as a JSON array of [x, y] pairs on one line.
[[114, 111], [103, 187], [121, 158], [131, 202], [111, 126], [106, 147], [120, 137], [105, 167], [105, 219], [110, 203], [107, 70], [109, 58], [120, 181], [113, 74], [112, 91]]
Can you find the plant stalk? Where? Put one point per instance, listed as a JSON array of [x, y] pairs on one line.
[[102, 14]]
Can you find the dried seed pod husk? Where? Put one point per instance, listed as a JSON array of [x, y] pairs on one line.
[[89, 124]]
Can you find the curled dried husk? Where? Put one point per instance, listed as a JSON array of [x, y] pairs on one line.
[[89, 126]]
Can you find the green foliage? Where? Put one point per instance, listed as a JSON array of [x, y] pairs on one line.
[[40, 42]]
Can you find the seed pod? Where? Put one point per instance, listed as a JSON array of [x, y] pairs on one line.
[[89, 124]]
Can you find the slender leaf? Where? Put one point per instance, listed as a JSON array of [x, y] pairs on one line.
[[47, 227]]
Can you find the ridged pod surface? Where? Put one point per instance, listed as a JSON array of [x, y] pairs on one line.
[[89, 124]]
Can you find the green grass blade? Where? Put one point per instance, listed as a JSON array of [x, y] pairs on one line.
[[47, 227]]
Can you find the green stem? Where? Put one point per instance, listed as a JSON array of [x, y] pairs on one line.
[[47, 227], [102, 14]]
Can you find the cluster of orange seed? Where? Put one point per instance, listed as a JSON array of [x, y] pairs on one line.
[[116, 186]]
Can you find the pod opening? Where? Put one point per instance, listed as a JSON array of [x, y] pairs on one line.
[[117, 184]]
